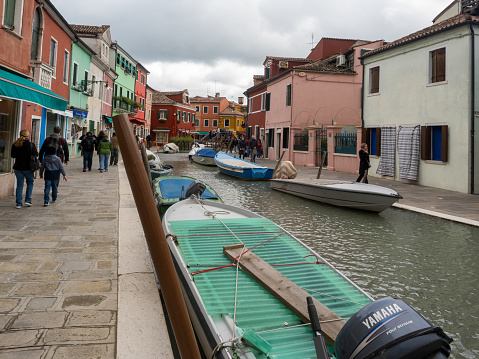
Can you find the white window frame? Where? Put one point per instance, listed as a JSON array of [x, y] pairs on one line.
[[87, 73], [206, 122], [197, 108], [66, 66], [263, 101], [227, 122], [215, 123], [205, 108], [18, 18], [54, 65], [215, 109]]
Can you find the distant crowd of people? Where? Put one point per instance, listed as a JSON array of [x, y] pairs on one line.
[[53, 154], [249, 148]]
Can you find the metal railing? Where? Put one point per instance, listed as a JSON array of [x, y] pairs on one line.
[[345, 143], [301, 142]]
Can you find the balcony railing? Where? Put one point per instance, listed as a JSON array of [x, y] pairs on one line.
[[42, 74]]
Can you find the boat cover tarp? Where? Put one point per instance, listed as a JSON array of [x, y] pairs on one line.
[[387, 163], [409, 152], [206, 152], [171, 188], [202, 243]]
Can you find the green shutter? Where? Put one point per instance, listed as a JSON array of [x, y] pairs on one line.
[[9, 17]]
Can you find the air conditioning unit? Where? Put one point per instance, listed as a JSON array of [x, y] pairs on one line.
[[283, 64], [341, 60]]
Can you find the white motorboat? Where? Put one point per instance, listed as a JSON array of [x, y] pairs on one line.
[[171, 148], [195, 148], [339, 193]]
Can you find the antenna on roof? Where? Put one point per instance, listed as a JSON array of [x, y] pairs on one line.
[[312, 42]]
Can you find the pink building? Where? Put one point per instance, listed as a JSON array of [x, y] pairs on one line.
[[311, 104]]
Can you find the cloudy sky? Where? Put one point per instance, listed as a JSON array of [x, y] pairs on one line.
[[211, 46]]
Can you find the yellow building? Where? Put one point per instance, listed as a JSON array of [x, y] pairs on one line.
[[232, 119]]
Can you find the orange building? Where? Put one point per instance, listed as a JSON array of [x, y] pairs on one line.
[[208, 111]]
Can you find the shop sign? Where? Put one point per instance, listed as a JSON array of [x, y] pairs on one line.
[[78, 113]]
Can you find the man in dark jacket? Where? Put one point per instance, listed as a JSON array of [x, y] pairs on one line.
[[22, 151], [363, 163], [252, 148], [61, 147], [88, 145], [241, 147]]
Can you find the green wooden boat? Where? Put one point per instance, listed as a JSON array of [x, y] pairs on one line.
[[168, 191], [244, 312]]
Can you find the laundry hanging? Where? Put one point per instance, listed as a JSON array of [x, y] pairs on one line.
[[387, 161], [409, 152]]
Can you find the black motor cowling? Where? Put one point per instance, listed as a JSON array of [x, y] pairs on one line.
[[390, 329], [197, 188]]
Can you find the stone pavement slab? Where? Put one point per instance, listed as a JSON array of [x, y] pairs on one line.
[[59, 278]]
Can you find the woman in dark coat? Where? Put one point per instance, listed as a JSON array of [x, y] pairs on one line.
[[22, 151], [363, 163]]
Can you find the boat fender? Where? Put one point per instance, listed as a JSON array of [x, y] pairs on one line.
[[389, 328]]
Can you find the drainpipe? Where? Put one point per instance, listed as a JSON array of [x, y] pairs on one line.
[[473, 83], [362, 96]]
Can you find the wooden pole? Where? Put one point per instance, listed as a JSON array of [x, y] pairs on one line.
[[323, 158], [277, 165], [155, 237]]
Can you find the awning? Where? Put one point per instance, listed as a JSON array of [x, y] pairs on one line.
[[19, 88], [108, 119], [63, 113], [203, 132]]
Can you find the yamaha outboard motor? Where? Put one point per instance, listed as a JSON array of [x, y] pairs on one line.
[[197, 188], [390, 329]]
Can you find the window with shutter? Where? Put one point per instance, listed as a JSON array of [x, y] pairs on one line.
[[268, 101], [437, 65], [374, 80], [372, 137], [9, 14], [288, 95], [434, 143]]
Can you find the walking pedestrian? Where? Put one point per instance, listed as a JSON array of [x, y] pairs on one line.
[[88, 145], [22, 151], [104, 149], [241, 147], [259, 149], [252, 148], [59, 143], [116, 148], [52, 167], [148, 141], [364, 164]]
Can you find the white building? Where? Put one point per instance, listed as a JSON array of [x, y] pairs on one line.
[[420, 107]]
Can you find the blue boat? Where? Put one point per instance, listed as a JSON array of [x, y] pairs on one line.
[[237, 167], [205, 156]]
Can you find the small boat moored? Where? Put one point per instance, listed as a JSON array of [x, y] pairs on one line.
[[237, 167], [172, 189], [205, 156], [246, 283], [195, 147], [339, 193]]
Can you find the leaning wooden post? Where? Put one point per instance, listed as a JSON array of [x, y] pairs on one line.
[[323, 158], [279, 161], [155, 237]]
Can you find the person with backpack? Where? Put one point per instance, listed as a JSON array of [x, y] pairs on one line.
[[22, 151], [52, 167], [116, 147], [104, 149], [88, 144], [58, 143]]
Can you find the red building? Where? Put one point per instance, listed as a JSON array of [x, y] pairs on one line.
[[140, 96], [171, 115], [208, 111]]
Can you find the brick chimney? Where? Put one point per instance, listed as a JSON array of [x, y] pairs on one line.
[[240, 100], [217, 94]]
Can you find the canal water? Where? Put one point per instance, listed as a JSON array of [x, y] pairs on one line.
[[430, 263]]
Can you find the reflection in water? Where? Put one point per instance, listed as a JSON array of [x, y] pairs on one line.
[[429, 263]]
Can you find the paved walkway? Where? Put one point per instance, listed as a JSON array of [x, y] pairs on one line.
[[455, 206], [75, 277]]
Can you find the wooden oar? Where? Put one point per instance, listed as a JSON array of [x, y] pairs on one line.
[[279, 161]]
